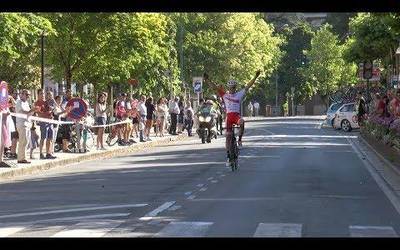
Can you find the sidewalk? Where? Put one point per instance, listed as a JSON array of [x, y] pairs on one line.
[[70, 158]]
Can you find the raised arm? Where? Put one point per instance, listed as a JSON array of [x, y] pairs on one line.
[[251, 83], [209, 82]]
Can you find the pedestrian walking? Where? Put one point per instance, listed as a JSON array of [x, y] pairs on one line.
[[189, 114], [149, 117], [256, 108], [181, 116], [174, 112], [143, 114], [250, 109], [162, 112], [13, 97], [101, 118], [23, 125], [65, 129]]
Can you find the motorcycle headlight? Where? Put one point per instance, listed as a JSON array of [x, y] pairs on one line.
[[201, 118], [208, 119]]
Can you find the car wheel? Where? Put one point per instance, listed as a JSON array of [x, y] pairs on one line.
[[346, 127], [333, 123]]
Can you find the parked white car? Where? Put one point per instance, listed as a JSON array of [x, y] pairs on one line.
[[345, 117]]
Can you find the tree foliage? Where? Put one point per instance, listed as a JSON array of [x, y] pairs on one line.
[[227, 45], [327, 70], [20, 48]]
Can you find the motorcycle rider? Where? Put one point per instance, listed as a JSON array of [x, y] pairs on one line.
[[208, 108]]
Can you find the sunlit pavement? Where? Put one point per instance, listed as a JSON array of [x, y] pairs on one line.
[[295, 179]]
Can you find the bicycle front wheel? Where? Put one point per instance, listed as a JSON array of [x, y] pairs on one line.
[[90, 140]]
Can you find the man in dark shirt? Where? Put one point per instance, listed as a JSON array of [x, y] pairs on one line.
[[360, 108]]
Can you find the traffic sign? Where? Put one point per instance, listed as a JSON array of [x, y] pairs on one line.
[[3, 95], [79, 108], [197, 84]]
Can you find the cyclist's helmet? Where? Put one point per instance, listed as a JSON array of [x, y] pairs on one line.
[[213, 98], [232, 83]]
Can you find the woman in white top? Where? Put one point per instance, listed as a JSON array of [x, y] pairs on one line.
[[161, 112], [101, 118]]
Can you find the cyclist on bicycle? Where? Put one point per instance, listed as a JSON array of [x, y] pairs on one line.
[[232, 100]]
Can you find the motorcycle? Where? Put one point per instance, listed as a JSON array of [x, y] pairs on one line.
[[207, 128]]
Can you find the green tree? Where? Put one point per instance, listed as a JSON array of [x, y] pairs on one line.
[[340, 23], [227, 45], [297, 39], [327, 70], [20, 48]]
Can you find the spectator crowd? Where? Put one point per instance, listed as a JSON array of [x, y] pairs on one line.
[[135, 120]]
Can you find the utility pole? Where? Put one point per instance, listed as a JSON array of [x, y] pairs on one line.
[[181, 35], [276, 90], [42, 60], [292, 96]]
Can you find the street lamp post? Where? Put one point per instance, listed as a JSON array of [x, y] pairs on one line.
[[42, 59], [397, 64]]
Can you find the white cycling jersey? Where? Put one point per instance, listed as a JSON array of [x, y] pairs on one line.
[[232, 101]]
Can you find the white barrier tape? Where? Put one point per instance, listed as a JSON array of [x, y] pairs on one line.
[[40, 119], [111, 124], [35, 118]]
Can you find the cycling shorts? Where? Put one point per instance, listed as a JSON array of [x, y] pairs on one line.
[[232, 118]]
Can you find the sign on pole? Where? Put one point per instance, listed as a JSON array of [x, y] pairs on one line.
[[197, 84], [79, 108]]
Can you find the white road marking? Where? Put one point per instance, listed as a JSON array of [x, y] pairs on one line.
[[278, 230], [370, 231], [203, 189], [214, 181], [188, 193], [200, 185], [150, 215], [222, 175], [6, 231], [209, 179], [184, 229], [90, 229], [392, 196], [71, 210], [191, 197], [173, 208]]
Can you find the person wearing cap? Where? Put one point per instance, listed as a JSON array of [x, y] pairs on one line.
[[23, 125]]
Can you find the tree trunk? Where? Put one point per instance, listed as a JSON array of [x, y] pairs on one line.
[[68, 79]]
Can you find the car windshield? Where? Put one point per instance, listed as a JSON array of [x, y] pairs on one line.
[[334, 107]]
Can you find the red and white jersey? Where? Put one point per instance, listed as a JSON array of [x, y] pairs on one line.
[[232, 101]]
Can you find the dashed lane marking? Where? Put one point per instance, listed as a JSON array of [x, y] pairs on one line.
[[371, 231], [278, 230], [184, 229]]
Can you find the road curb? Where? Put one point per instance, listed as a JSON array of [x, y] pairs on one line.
[[20, 171], [388, 163]]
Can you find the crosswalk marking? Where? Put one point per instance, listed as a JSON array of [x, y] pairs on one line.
[[371, 231], [278, 230], [7, 231], [96, 228], [184, 229]]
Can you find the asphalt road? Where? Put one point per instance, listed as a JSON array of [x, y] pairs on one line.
[[295, 179]]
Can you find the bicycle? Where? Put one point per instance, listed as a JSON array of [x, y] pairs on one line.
[[234, 150], [112, 137]]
